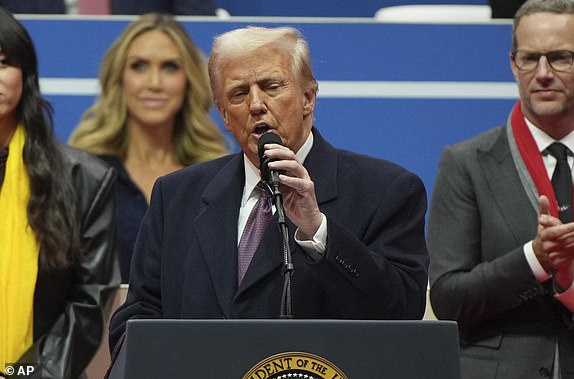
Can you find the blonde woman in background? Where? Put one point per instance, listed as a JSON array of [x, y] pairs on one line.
[[151, 117]]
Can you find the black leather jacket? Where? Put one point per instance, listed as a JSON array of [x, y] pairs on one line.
[[71, 305]]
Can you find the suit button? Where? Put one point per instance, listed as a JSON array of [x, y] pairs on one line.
[[544, 372]]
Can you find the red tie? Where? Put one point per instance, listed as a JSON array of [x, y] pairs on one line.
[[254, 229]]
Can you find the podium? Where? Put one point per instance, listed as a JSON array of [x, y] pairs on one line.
[[277, 349]]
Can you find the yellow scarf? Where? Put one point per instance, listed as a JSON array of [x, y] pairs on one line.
[[19, 253]]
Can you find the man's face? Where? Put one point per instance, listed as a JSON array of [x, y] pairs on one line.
[[259, 93], [546, 94]]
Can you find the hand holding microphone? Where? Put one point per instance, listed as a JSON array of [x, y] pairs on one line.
[[298, 190]]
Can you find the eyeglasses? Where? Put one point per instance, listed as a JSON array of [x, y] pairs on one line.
[[559, 60]]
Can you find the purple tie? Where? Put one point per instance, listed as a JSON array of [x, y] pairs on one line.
[[253, 232]]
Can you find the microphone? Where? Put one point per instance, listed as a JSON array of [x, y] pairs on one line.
[[271, 177]]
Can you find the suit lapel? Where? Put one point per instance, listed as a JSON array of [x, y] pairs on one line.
[[322, 165], [216, 226], [503, 181]]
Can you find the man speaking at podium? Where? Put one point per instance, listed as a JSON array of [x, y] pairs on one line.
[[356, 223]]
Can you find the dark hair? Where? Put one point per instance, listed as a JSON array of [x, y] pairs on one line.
[[52, 206]]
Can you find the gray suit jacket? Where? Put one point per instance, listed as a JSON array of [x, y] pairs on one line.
[[481, 215]]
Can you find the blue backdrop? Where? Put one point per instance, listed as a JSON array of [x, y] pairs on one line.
[[322, 8], [395, 91]]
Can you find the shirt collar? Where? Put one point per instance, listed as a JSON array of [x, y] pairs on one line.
[[543, 140], [253, 176]]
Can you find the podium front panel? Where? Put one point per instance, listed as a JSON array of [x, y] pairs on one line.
[[274, 349]]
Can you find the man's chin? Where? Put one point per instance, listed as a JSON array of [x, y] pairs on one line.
[[548, 108]]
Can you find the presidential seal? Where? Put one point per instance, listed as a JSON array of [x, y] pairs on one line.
[[294, 365]]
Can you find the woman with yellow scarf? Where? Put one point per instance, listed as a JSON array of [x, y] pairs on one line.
[[58, 268]]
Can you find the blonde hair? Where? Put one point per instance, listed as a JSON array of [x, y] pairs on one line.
[[102, 128], [243, 41]]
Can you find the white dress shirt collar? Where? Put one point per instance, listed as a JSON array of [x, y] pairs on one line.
[[543, 140]]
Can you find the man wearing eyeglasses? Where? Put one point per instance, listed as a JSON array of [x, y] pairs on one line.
[[500, 232]]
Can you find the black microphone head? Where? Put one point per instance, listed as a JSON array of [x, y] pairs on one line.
[[266, 138], [264, 161]]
